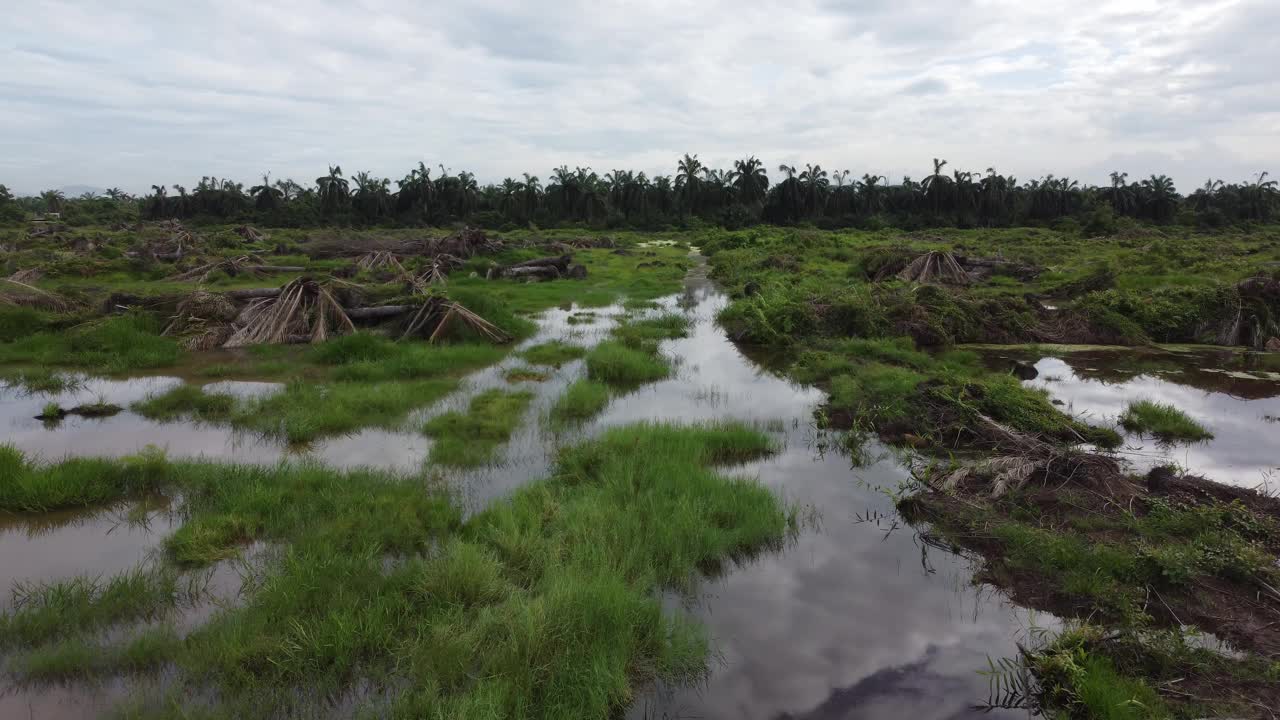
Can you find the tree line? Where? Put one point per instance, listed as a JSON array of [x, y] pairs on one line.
[[733, 197]]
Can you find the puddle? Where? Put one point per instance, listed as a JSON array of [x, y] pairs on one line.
[[1224, 390]]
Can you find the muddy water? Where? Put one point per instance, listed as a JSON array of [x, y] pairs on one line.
[[855, 618], [1235, 395]]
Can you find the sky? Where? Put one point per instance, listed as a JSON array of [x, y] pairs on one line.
[[141, 92]]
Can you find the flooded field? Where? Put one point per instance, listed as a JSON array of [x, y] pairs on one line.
[[856, 616]]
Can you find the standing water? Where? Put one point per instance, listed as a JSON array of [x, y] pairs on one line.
[[856, 617]]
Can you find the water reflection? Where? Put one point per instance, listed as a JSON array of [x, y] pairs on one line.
[[1230, 392]]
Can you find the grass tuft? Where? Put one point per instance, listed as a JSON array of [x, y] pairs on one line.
[[1164, 421], [580, 401], [616, 364], [555, 353], [470, 439]]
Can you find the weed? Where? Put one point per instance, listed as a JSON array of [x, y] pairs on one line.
[[616, 364]]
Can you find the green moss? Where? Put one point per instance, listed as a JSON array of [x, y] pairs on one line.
[[470, 439], [1162, 420]]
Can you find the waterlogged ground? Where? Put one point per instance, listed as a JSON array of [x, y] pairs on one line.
[[1235, 395], [856, 617]]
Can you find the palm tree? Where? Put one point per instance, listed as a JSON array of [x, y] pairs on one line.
[[1120, 196], [53, 200], [158, 202], [750, 180], [334, 190], [937, 187], [532, 194], [815, 184], [1161, 198], [116, 194], [266, 196], [687, 181], [872, 193]]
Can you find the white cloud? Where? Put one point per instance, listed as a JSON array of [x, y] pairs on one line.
[[135, 93]]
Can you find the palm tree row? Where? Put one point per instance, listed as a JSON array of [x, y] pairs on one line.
[[734, 196]]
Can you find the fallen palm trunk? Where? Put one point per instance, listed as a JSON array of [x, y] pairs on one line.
[[548, 268]]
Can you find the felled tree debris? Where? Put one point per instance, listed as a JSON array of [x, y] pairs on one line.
[[935, 267], [548, 268], [203, 320], [18, 293], [177, 243], [245, 264], [434, 317], [436, 273], [595, 242], [250, 233], [465, 243], [303, 311]]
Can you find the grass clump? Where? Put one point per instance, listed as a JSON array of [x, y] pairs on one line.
[[114, 345], [580, 401], [470, 439], [877, 392], [616, 364], [373, 359], [78, 658], [41, 380], [524, 374], [305, 410], [1164, 421], [640, 333], [48, 611], [186, 401], [554, 353], [26, 486]]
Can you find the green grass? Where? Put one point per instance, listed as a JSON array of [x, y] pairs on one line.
[[524, 374], [41, 380], [1089, 684], [580, 401], [543, 605], [876, 392], [470, 439], [619, 365], [1164, 421], [78, 658], [367, 358], [304, 410], [50, 611], [554, 353], [27, 486], [115, 344], [640, 333], [186, 401]]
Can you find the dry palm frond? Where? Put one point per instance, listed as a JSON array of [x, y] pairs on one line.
[[233, 266], [250, 233], [935, 267], [304, 311], [16, 292], [465, 243], [437, 273], [381, 260], [28, 276], [436, 314]]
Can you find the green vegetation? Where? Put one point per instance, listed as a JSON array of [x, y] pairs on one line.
[[524, 374], [470, 439], [41, 380], [304, 410], [1162, 420], [380, 580], [554, 353], [114, 344], [28, 487], [580, 401], [616, 364]]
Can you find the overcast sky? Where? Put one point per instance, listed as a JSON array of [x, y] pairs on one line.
[[136, 92]]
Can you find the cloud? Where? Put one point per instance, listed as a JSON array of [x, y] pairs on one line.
[[235, 88]]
